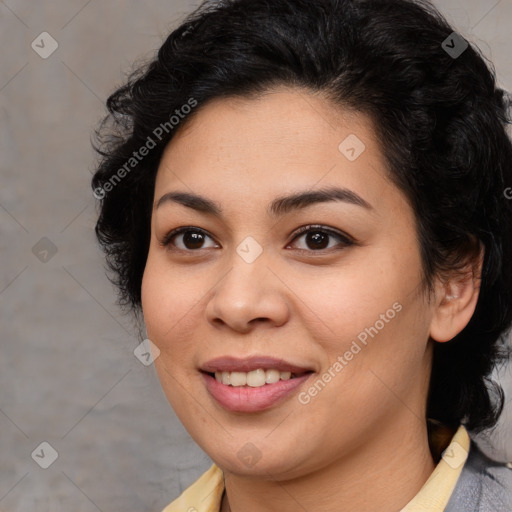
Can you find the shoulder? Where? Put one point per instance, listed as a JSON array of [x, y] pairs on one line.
[[484, 485]]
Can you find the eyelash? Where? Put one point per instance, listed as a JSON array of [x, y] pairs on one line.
[[346, 241]]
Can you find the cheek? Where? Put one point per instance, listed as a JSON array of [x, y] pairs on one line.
[[168, 302], [347, 301], [155, 302], [373, 317]]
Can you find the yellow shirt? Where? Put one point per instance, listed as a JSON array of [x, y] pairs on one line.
[[205, 494]]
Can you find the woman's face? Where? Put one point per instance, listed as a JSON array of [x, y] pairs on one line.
[[341, 306]]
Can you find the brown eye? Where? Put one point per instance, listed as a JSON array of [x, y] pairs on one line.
[[317, 238], [192, 238]]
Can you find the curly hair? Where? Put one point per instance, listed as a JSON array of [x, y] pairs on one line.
[[439, 115]]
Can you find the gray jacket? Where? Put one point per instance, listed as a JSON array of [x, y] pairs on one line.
[[483, 486]]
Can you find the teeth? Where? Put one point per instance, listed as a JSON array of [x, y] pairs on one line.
[[272, 376], [238, 379], [254, 378]]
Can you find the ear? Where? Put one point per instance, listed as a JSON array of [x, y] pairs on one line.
[[456, 300]]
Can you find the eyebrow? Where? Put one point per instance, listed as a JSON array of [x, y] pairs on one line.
[[278, 207]]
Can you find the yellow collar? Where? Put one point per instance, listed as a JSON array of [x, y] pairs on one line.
[[205, 494], [437, 490]]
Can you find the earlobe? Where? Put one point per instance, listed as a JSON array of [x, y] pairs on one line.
[[456, 303]]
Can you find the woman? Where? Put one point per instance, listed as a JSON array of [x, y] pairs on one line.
[[306, 202]]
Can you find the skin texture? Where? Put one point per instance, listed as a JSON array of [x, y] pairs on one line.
[[361, 442]]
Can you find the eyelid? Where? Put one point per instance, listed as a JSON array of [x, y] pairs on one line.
[[346, 240], [178, 231], [326, 229]]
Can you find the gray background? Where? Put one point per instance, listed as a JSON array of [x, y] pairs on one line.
[[68, 375]]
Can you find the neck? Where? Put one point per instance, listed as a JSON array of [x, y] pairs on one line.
[[383, 475]]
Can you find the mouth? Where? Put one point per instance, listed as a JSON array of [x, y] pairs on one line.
[[255, 378], [252, 384]]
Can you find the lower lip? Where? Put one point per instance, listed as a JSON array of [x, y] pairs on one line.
[[247, 399]]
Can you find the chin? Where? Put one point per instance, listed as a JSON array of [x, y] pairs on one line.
[[246, 458]]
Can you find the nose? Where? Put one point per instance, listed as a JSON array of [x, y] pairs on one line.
[[248, 295]]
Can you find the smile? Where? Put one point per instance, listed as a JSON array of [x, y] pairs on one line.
[[254, 379], [252, 384]]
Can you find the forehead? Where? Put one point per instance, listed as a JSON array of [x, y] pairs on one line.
[[282, 116], [284, 140]]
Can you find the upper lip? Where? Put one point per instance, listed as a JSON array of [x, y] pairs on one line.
[[247, 364]]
